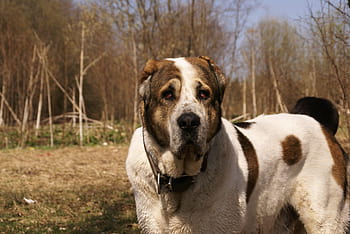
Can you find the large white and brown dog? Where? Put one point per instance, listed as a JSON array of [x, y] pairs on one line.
[[193, 171]]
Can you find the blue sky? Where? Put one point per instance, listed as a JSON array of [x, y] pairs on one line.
[[288, 9]]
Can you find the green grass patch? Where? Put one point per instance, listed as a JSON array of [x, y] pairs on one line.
[[64, 135]]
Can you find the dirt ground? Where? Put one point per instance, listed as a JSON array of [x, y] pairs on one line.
[[68, 190]]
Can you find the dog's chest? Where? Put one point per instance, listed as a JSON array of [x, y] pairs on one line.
[[203, 222], [195, 215]]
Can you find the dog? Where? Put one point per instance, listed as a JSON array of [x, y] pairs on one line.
[[192, 171]]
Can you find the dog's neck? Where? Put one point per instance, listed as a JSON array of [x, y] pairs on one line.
[[171, 173], [167, 162], [171, 201]]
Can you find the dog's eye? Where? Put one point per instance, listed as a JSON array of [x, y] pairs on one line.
[[168, 95], [203, 94]]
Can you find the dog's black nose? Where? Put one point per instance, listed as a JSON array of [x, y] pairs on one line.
[[188, 121]]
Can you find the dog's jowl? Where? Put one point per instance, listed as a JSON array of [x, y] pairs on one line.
[[193, 171]]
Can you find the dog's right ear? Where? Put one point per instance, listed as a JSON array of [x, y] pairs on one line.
[[144, 87], [146, 75], [150, 68]]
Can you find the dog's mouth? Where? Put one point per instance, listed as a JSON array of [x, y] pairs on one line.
[[190, 150], [187, 148]]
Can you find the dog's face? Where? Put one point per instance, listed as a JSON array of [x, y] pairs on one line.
[[180, 104]]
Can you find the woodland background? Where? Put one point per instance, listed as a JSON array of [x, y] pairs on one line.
[[68, 69]]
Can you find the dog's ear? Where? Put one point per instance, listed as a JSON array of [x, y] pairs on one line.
[[219, 76], [144, 87], [148, 70], [144, 81]]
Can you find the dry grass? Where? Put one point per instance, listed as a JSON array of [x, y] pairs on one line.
[[77, 190]]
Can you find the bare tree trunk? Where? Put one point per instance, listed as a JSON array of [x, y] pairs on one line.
[[253, 82], [29, 98], [134, 121], [244, 112], [74, 119], [44, 77], [65, 84], [281, 105], [86, 123], [190, 49], [48, 99], [71, 99], [80, 86], [13, 113], [40, 104], [313, 78], [327, 46], [2, 102], [82, 72]]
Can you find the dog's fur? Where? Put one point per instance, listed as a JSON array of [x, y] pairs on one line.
[[260, 176]]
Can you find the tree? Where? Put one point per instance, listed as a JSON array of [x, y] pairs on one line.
[[331, 29]]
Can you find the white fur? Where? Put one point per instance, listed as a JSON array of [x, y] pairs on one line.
[[187, 103], [216, 202]]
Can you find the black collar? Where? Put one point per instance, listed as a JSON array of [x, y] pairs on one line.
[[166, 183]]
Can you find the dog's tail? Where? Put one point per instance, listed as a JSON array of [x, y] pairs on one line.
[[321, 109]]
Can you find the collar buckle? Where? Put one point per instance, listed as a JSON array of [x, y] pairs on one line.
[[164, 183]]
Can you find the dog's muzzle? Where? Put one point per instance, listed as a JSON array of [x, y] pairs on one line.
[[189, 123]]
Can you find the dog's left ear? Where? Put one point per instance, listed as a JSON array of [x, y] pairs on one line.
[[219, 76]]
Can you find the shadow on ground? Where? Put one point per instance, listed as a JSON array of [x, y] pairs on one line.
[[116, 216]]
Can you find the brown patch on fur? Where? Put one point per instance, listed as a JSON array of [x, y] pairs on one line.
[[220, 75], [291, 148], [151, 67], [211, 72], [213, 79], [154, 112], [252, 161], [340, 161]]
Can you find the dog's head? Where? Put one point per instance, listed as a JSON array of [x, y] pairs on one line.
[[180, 103]]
